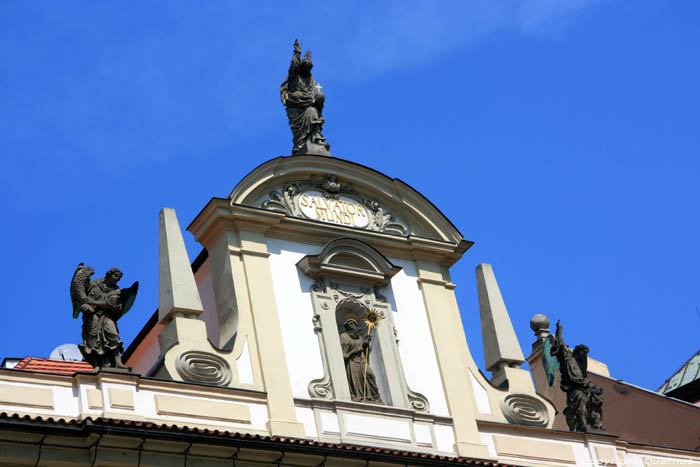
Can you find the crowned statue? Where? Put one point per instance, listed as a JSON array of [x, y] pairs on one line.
[[101, 303], [304, 100]]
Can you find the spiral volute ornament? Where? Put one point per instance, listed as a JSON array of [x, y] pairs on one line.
[[521, 409], [202, 367]]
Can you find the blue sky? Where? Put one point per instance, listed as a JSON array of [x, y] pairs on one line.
[[559, 135]]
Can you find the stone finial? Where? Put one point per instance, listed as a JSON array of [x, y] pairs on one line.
[[501, 346], [540, 326], [177, 290]]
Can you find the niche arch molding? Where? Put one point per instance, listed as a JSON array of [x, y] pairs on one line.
[[349, 259]]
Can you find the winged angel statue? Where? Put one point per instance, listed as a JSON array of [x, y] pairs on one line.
[[102, 303]]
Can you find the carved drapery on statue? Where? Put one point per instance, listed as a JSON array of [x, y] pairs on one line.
[[584, 400], [101, 303], [303, 100], [356, 347]]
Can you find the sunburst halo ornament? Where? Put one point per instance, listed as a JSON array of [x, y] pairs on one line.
[[371, 319]]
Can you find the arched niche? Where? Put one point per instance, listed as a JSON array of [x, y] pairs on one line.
[[348, 273], [350, 308]]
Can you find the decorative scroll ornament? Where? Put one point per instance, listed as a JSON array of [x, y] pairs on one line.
[[203, 367], [418, 401], [522, 409], [283, 202], [321, 388], [319, 286], [331, 201]]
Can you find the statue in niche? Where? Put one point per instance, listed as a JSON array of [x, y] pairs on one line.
[[584, 400], [303, 100], [356, 348], [102, 303]]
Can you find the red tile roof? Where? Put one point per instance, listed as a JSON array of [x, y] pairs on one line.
[[49, 365]]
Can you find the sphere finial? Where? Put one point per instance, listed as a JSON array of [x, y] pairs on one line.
[[539, 322]]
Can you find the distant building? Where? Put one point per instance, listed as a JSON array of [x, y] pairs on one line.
[[685, 383]]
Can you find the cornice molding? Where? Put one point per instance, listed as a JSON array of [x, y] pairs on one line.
[[219, 216]]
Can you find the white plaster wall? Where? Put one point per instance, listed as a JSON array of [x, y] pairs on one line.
[[415, 341], [146, 406], [377, 427], [245, 367], [139, 406], [306, 416], [206, 294], [293, 297], [83, 388], [487, 440], [444, 438], [423, 434], [65, 401], [482, 397], [582, 455], [329, 423]]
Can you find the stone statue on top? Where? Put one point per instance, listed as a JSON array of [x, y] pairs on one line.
[[101, 303], [584, 400], [304, 100]]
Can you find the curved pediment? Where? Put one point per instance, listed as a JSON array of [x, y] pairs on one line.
[[335, 191], [352, 259]]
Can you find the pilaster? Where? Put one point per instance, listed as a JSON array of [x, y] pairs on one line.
[[450, 343], [268, 333]]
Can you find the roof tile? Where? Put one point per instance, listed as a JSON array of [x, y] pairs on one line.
[[49, 365]]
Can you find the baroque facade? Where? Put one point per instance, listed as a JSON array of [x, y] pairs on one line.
[[319, 326]]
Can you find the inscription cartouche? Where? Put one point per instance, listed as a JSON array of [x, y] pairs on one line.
[[344, 211]]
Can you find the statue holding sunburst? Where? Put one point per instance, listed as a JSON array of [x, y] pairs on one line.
[[356, 349]]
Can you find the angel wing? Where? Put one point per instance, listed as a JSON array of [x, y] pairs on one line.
[[78, 287], [127, 297], [549, 362]]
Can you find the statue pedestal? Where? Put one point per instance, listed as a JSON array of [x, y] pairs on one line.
[[313, 149]]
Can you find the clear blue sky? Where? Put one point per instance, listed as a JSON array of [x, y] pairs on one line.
[[561, 136]]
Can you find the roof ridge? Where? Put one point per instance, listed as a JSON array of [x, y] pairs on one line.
[[685, 365]]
